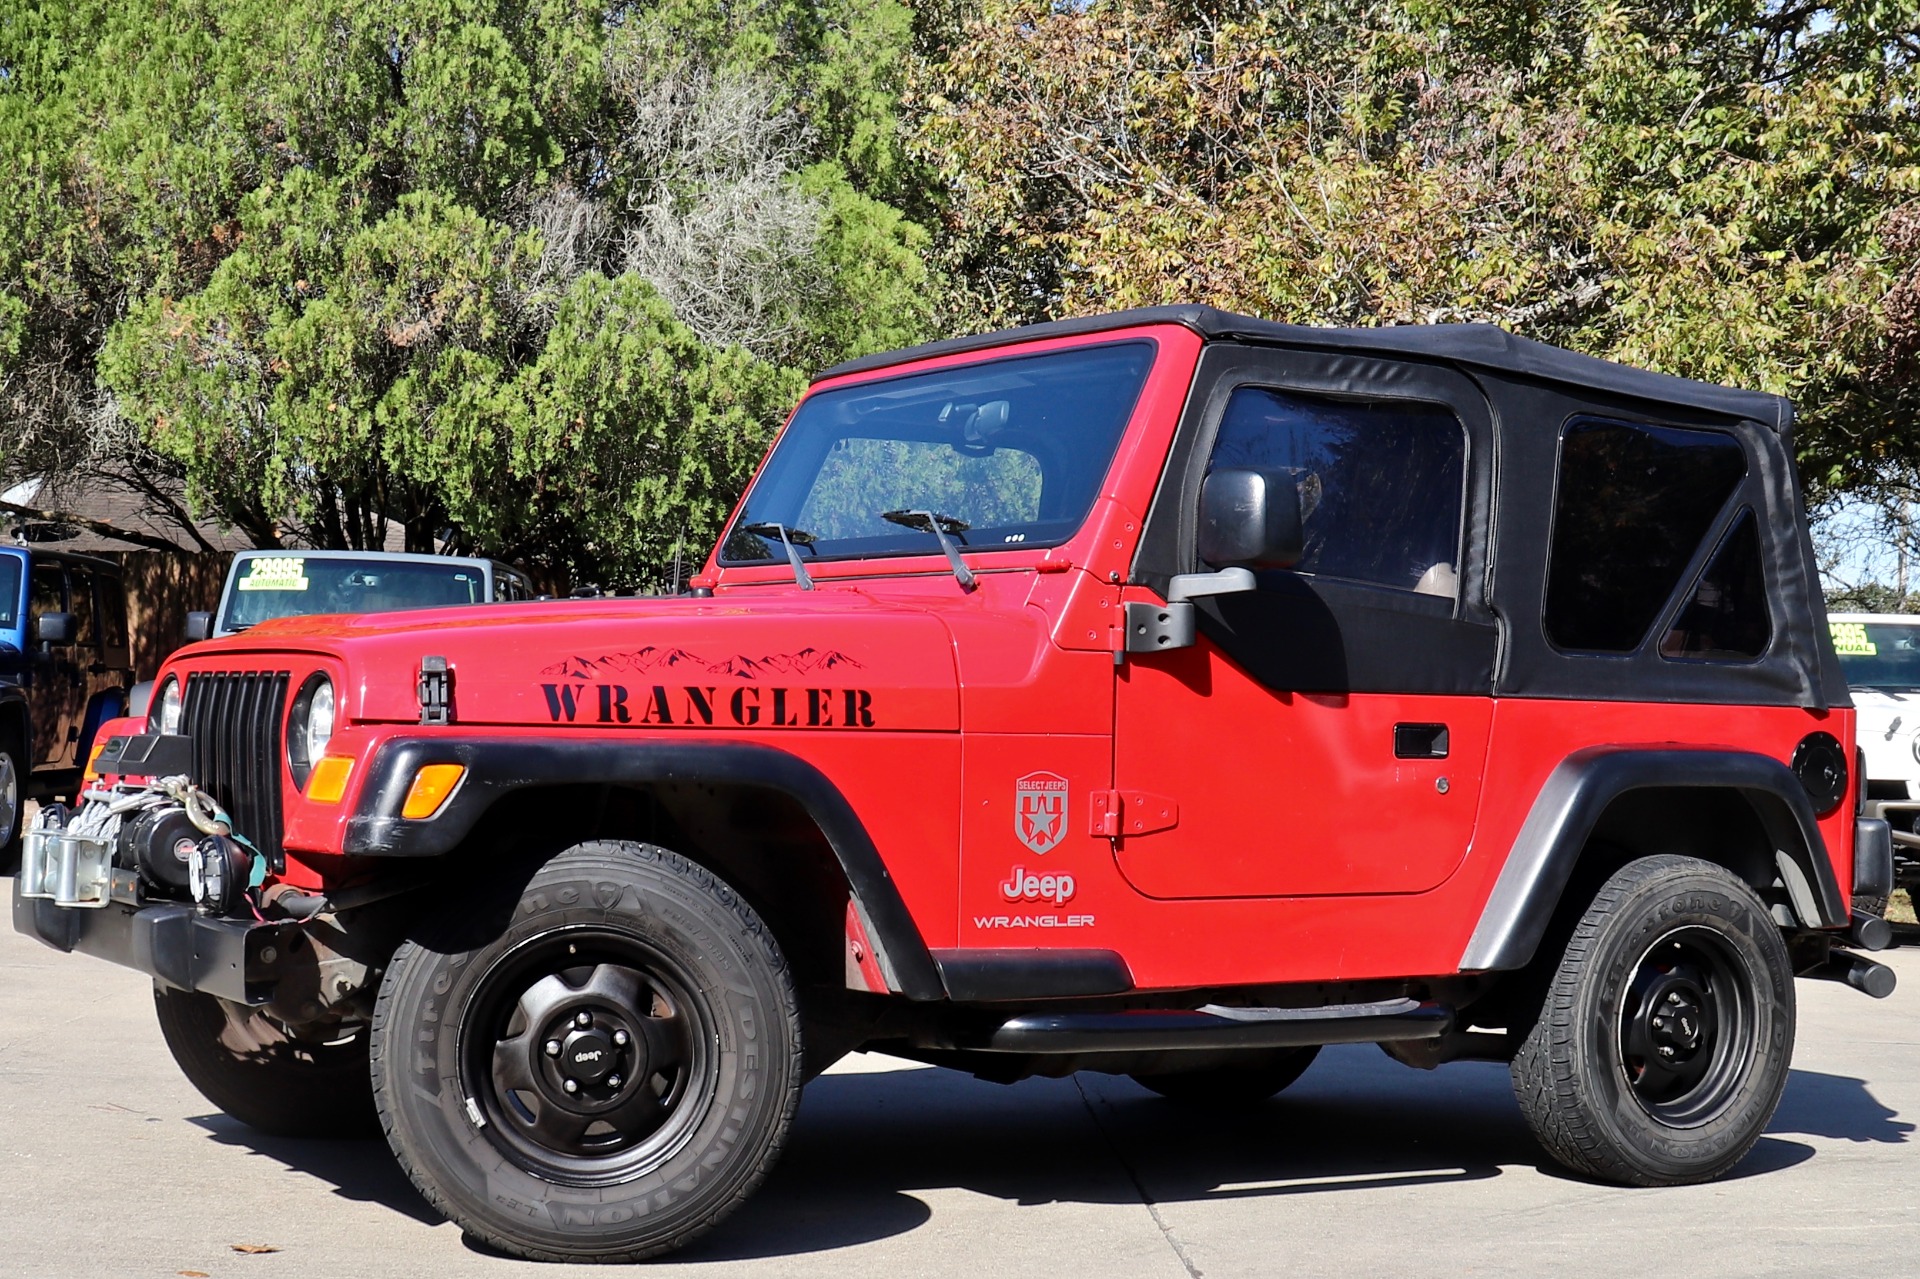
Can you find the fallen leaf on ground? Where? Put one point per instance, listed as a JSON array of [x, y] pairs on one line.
[[253, 1248], [192, 1274]]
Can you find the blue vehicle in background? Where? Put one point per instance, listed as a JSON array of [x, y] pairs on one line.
[[65, 667]]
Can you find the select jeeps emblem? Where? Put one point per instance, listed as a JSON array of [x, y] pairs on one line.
[[1040, 810]]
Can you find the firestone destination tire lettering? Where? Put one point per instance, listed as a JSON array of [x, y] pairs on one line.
[[496, 1061]]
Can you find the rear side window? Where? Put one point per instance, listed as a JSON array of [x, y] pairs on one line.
[[113, 611], [1381, 482], [1726, 619], [1633, 504], [80, 603]]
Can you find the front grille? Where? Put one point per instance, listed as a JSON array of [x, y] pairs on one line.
[[234, 719]]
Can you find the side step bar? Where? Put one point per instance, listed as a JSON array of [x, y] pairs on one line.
[[1213, 1026]]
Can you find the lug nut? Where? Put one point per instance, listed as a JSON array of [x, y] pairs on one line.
[[583, 1019], [570, 1086], [620, 1038], [553, 1048], [614, 1081]]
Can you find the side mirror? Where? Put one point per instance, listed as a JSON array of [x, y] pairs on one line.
[[199, 626], [1249, 518], [54, 629]]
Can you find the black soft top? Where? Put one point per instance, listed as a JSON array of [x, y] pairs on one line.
[[1478, 345]]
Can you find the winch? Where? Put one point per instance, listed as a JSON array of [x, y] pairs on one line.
[[164, 838]]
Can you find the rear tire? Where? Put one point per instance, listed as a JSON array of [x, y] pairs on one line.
[[250, 1067], [1237, 1085], [604, 1076], [1663, 1045]]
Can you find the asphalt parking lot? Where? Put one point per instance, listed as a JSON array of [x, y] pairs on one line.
[[110, 1164]]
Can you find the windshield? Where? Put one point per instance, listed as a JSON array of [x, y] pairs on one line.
[[268, 586], [1004, 453], [1878, 654], [9, 592]]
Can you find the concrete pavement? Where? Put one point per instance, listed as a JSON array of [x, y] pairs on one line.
[[112, 1165]]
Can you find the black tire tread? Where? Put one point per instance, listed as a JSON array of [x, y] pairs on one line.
[[614, 856], [278, 1096], [1543, 1070]]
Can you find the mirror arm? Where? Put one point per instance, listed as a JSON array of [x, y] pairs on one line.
[[1157, 628], [1228, 581]]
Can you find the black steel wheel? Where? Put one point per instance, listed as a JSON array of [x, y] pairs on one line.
[[269, 1076], [1260, 1076], [604, 1078], [1663, 1044]]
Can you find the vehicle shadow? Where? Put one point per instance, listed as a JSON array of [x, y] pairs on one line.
[[361, 1169], [1837, 1106], [867, 1143]]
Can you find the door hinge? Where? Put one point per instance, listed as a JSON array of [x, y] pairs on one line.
[[1117, 813]]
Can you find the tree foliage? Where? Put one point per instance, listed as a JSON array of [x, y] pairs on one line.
[[1717, 188], [538, 273]]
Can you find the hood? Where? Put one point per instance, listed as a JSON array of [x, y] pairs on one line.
[[827, 659]]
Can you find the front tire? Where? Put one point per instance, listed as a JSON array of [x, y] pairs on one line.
[[14, 772], [255, 1070], [1662, 1048], [605, 1079]]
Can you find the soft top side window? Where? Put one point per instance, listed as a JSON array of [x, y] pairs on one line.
[[1726, 619], [1633, 505], [1381, 481]]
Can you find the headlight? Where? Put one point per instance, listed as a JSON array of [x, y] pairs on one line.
[[310, 727], [166, 708]]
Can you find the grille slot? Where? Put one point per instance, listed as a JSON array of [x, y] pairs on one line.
[[234, 719]]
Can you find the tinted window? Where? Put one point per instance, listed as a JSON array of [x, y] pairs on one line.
[[1633, 504], [80, 602], [269, 586], [1878, 654], [47, 592], [113, 611], [1380, 481], [1011, 451], [9, 592], [1727, 616]]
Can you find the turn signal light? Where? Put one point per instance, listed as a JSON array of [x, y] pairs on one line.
[[93, 757], [431, 786], [329, 780]]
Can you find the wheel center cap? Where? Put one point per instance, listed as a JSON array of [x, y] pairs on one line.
[[588, 1055], [1677, 1020]]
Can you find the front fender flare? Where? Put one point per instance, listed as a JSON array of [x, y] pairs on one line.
[[498, 766], [1578, 791]]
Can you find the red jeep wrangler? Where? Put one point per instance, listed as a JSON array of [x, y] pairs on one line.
[[1168, 693]]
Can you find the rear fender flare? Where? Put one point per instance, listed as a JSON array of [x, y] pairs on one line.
[[1570, 805], [497, 767]]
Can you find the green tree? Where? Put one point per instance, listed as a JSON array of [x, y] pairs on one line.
[[536, 273], [1709, 187]]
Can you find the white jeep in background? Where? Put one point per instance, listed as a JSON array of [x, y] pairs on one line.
[[1880, 653]]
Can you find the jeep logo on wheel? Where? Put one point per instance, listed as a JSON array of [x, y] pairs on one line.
[[1040, 810]]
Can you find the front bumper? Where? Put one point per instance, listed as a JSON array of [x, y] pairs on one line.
[[176, 944]]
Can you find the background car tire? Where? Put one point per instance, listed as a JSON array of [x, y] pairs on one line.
[[1235, 1085], [250, 1067], [15, 768], [608, 939], [1671, 949]]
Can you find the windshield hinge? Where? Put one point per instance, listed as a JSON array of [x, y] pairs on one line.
[[436, 691]]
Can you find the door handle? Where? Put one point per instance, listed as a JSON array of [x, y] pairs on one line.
[[1420, 741]]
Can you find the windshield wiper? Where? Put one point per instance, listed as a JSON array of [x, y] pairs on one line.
[[789, 537], [939, 525]]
